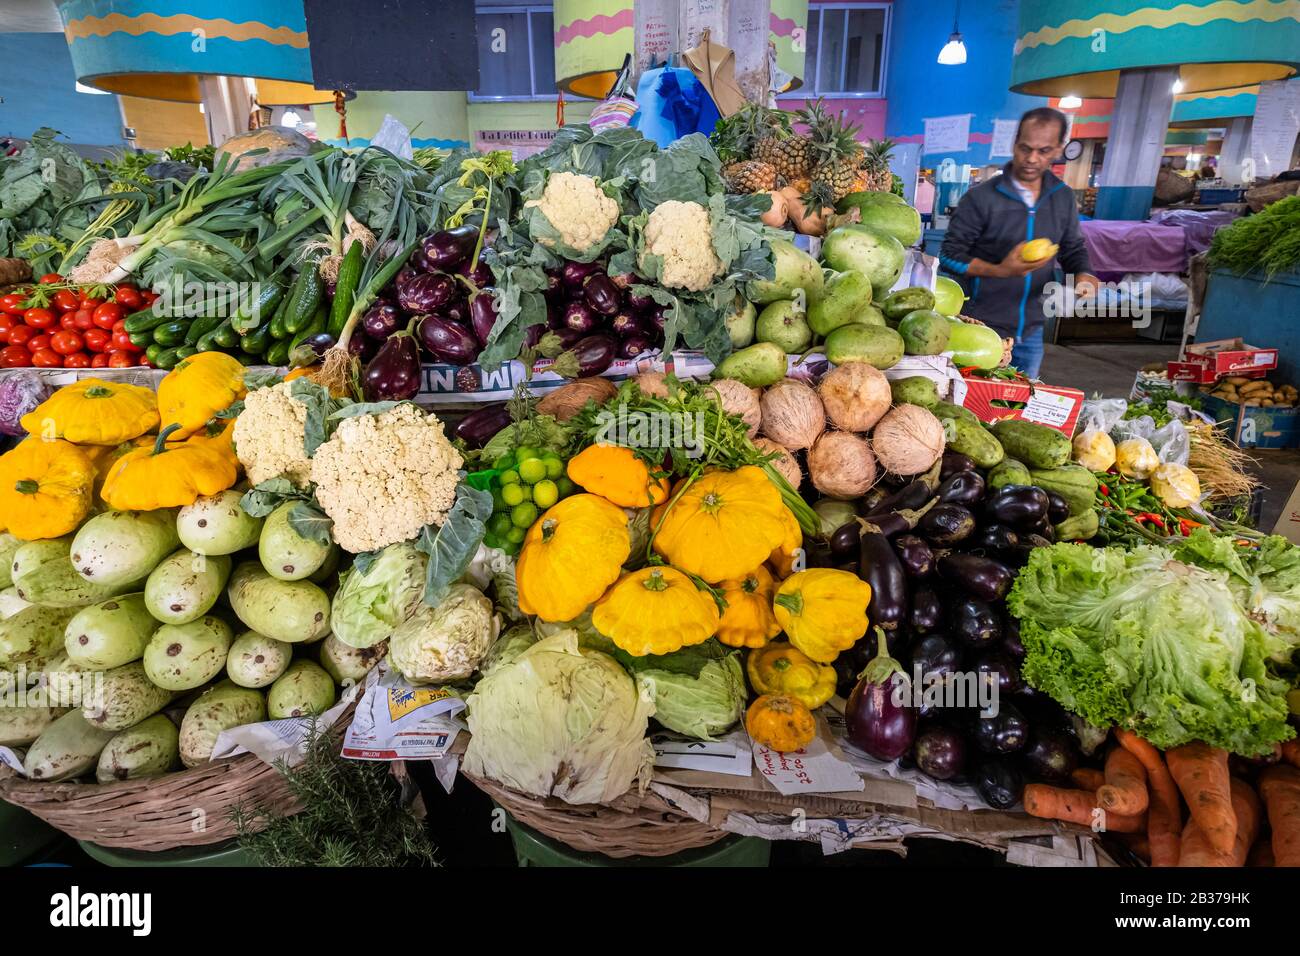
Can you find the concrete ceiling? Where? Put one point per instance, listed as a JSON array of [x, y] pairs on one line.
[[29, 16]]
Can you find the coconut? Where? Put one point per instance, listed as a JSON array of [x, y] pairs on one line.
[[786, 464], [739, 399], [567, 400], [856, 396], [652, 384], [841, 465], [793, 415], [908, 440]]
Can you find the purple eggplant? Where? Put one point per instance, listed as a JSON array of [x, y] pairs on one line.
[[393, 375], [320, 343], [579, 317], [426, 293], [447, 249], [915, 553], [1005, 731], [554, 282], [601, 294], [965, 488], [1011, 644], [637, 302], [477, 428], [912, 495], [879, 566], [659, 318], [996, 540], [595, 353], [946, 525], [940, 752], [418, 261], [627, 322], [999, 783], [363, 347], [845, 542], [575, 273], [457, 310], [446, 341], [879, 716], [953, 462], [1001, 670], [481, 275], [1023, 507], [483, 315], [976, 624], [1058, 509], [566, 338], [1050, 755], [981, 577], [533, 335], [633, 345], [381, 321]]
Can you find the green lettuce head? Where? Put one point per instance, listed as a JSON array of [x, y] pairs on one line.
[[377, 595], [698, 691]]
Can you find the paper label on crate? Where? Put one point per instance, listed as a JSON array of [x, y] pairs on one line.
[[1264, 358], [285, 739], [10, 760], [814, 769], [729, 754], [396, 720], [1048, 409]]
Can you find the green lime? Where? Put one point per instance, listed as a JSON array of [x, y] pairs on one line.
[[512, 494], [499, 523], [510, 548], [532, 470], [528, 492], [504, 462], [524, 452], [545, 493], [491, 540], [516, 535], [498, 502], [554, 467], [523, 515], [565, 485], [509, 477]]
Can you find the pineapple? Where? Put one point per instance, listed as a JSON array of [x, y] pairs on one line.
[[749, 176], [875, 166], [836, 152], [790, 155]]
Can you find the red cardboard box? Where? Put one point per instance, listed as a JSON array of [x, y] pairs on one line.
[[994, 399], [1207, 362]]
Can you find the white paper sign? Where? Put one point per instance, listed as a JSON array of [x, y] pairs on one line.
[[1048, 409], [1277, 122], [729, 754], [947, 134], [814, 769], [1004, 137]]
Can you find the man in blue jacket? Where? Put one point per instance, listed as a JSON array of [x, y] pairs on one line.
[[995, 220]]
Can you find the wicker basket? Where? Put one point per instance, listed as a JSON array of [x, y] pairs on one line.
[[187, 808], [631, 826]]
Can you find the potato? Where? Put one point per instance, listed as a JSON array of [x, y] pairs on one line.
[[1236, 380]]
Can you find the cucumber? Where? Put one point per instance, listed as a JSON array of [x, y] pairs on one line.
[[253, 310], [201, 327], [247, 360], [208, 343], [345, 290], [974, 441], [167, 359], [172, 333], [302, 307], [257, 341], [225, 335], [185, 351], [314, 327], [278, 353], [145, 319], [1036, 445], [278, 331], [141, 340], [152, 351]]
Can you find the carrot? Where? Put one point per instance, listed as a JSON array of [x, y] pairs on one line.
[[1125, 790], [1076, 806], [1087, 778], [1164, 819], [1291, 751], [1196, 848], [1280, 788], [1201, 772]]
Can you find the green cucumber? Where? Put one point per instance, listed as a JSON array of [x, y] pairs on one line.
[[225, 335], [245, 359], [252, 310], [302, 308], [171, 334], [152, 352], [314, 327], [141, 339], [278, 353], [185, 351], [201, 327], [145, 319], [257, 341], [167, 358], [277, 329], [345, 290]]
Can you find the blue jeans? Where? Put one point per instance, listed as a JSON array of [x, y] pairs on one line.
[[1027, 354]]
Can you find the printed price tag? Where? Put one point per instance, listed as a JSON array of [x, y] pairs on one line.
[[1048, 409]]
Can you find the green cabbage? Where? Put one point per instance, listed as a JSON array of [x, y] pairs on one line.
[[560, 720], [447, 642], [1140, 639], [379, 593], [699, 691]]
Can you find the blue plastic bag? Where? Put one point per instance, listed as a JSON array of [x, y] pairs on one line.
[[673, 104]]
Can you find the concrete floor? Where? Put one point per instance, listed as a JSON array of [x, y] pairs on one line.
[[1108, 369]]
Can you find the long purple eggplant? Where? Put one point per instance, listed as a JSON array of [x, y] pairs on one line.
[[879, 717], [980, 577], [477, 428], [483, 315], [879, 566], [912, 495], [446, 341], [393, 375]]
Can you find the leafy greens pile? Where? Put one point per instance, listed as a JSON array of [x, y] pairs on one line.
[[1144, 640]]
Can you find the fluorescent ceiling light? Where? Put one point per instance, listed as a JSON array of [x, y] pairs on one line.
[[1071, 102]]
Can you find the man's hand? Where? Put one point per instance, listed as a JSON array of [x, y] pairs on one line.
[[1085, 286], [1014, 265]]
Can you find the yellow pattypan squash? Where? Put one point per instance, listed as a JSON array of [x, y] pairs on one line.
[[45, 488], [783, 555], [218, 434], [570, 555], [197, 388], [781, 668], [167, 475], [723, 525], [656, 610], [748, 620], [781, 723], [823, 611], [95, 412], [618, 475]]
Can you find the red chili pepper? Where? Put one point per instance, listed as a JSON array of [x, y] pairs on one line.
[[1157, 520], [1104, 490]]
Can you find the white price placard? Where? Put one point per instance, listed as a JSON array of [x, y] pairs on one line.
[[1004, 137], [947, 134]]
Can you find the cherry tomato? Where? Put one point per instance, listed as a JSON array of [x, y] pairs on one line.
[[67, 342], [100, 360], [119, 326], [39, 318], [47, 358], [97, 340], [65, 300], [89, 303], [149, 296], [76, 360], [68, 320], [120, 359], [21, 334], [12, 303], [128, 297], [109, 313], [38, 342], [15, 356], [6, 323], [122, 341], [51, 277], [84, 320]]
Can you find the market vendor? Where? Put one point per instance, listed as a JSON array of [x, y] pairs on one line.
[[993, 223]]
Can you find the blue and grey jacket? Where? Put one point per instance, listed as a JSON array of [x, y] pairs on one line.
[[990, 220]]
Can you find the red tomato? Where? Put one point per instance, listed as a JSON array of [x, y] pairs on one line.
[[68, 320], [51, 278], [76, 360], [65, 300], [83, 320], [89, 303], [97, 340], [21, 334], [39, 318], [120, 359], [47, 358], [108, 313], [38, 342], [128, 297], [122, 340], [67, 342], [15, 356], [13, 303], [119, 326], [149, 296], [100, 360]]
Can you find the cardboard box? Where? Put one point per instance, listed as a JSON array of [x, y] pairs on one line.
[[993, 400], [1254, 426], [1207, 362], [1288, 522]]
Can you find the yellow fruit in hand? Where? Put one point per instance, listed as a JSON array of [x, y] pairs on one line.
[[1037, 250]]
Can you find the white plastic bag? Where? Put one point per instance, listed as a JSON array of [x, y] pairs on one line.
[[1092, 446], [1172, 443]]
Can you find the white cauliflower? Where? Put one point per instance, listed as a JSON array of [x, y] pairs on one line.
[[681, 234], [577, 207], [269, 436], [382, 478]]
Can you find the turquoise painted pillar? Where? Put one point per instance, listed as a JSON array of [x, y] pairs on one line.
[[1139, 122], [1236, 150]]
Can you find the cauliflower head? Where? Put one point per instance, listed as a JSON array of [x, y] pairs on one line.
[[381, 478], [269, 436], [447, 642], [681, 234], [578, 208]]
